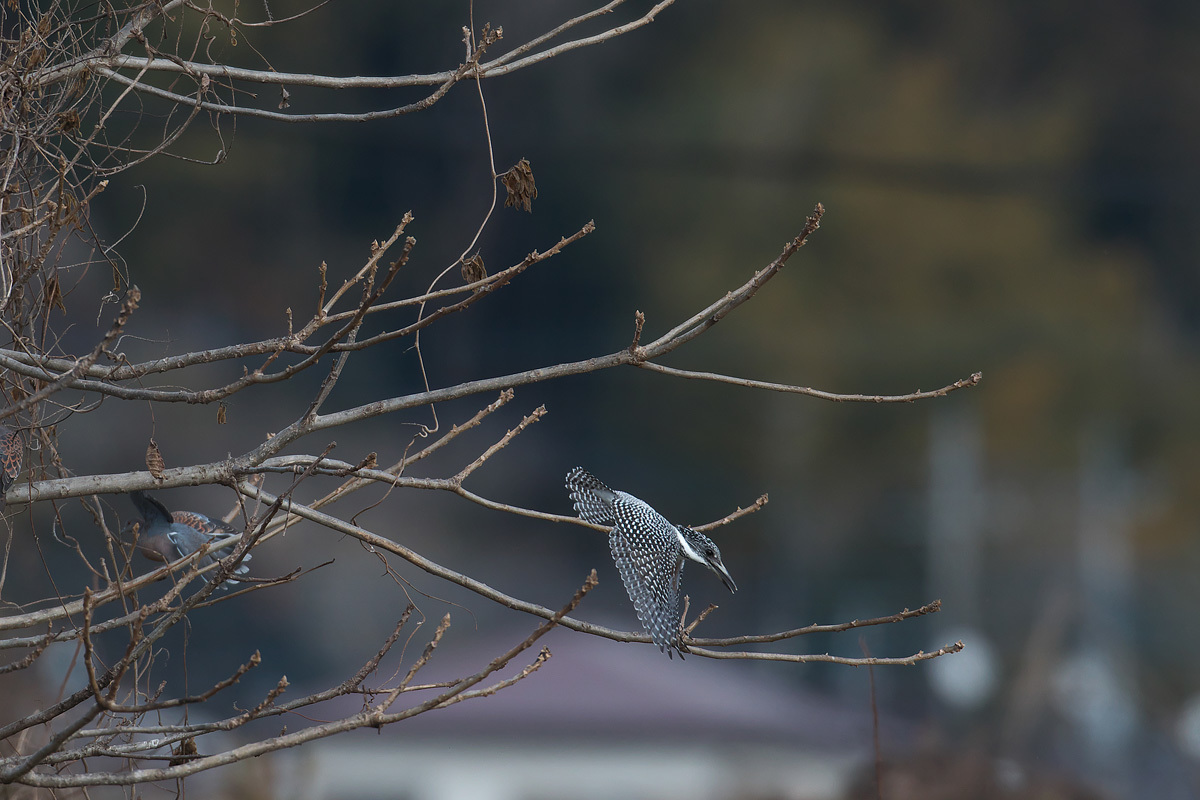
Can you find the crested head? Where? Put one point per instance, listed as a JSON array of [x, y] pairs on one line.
[[700, 548]]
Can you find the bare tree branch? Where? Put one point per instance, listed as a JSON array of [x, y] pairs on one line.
[[87, 92], [912, 397], [373, 717], [905, 661]]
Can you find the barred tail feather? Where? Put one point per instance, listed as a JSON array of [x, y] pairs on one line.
[[593, 500]]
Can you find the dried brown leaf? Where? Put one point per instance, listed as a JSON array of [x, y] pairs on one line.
[[186, 748], [68, 120], [518, 182], [52, 294], [473, 269], [154, 460]]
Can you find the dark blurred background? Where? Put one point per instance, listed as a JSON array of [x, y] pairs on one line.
[[1010, 189]]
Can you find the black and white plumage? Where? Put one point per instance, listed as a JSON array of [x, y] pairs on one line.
[[649, 553], [165, 537]]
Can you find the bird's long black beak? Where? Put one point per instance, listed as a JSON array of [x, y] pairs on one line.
[[723, 574]]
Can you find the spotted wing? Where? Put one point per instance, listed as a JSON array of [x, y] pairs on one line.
[[212, 529], [203, 524], [648, 558], [192, 530], [186, 540], [593, 500]]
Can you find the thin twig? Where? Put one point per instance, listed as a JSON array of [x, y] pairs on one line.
[[928, 608], [911, 397], [757, 505], [372, 717], [906, 661]]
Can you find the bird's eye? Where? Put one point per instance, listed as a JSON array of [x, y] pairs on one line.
[[710, 552]]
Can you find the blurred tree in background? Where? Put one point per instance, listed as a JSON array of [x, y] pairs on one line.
[[235, 346], [1010, 189]]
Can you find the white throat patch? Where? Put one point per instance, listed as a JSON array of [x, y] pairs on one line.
[[688, 550]]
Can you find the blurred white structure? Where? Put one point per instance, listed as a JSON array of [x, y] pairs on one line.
[[1187, 727], [957, 503], [967, 680], [600, 720]]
